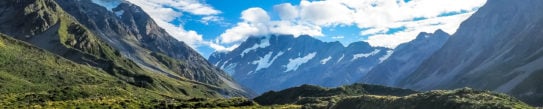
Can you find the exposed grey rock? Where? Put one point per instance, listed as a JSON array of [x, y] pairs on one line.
[[498, 48], [406, 59]]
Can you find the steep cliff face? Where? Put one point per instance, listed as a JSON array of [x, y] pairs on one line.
[[281, 61], [120, 49], [406, 58], [497, 48], [47, 26]]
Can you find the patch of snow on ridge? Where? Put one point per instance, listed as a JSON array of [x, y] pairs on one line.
[[119, 13], [225, 62], [325, 60], [265, 62], [385, 57], [341, 58], [262, 61], [293, 64], [365, 55], [230, 69], [108, 4], [263, 44]]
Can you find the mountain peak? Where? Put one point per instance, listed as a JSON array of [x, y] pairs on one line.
[[360, 45], [440, 31], [439, 34]]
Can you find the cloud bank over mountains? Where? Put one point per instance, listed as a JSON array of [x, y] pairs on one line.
[[385, 23]]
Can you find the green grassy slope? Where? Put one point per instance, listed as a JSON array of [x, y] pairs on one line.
[[48, 59], [33, 77], [292, 95], [44, 24], [453, 99], [361, 96]]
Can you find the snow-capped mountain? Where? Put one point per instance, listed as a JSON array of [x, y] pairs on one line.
[[281, 61], [500, 47], [406, 59]]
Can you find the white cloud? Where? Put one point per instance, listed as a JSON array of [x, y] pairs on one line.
[[374, 17], [221, 48], [338, 37], [166, 11], [255, 15], [240, 32], [286, 11], [207, 19], [448, 24], [382, 15], [295, 28], [256, 22], [326, 13]]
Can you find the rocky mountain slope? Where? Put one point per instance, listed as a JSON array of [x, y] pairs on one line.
[[406, 58], [280, 61], [498, 48], [136, 36], [46, 25]]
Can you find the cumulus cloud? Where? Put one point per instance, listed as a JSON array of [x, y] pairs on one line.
[[256, 22], [295, 28], [241, 32], [255, 15], [326, 13], [287, 11], [166, 11]]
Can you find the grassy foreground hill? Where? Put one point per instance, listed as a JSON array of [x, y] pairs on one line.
[[362, 96], [46, 25], [292, 95], [30, 76]]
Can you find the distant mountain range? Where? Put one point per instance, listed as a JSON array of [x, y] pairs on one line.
[[282, 61]]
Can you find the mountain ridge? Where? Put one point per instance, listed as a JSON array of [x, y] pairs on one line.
[[285, 58], [60, 33], [500, 47], [406, 58], [138, 37]]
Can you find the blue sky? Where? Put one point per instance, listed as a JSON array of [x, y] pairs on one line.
[[221, 25]]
